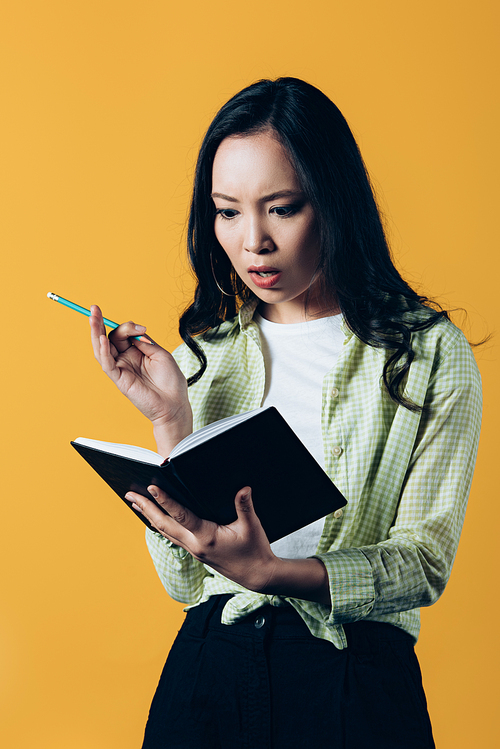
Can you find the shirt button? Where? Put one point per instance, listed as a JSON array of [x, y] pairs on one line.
[[337, 450], [259, 622], [335, 392], [338, 514]]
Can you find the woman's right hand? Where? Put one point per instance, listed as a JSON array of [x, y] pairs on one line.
[[147, 375]]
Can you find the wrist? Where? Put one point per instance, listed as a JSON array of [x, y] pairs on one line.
[[168, 433], [297, 578]]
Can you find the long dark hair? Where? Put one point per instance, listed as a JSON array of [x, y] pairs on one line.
[[355, 261]]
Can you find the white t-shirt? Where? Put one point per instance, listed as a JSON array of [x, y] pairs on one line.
[[297, 357]]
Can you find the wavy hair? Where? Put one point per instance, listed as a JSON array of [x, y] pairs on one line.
[[355, 262]]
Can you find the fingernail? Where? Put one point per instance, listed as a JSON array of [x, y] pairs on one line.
[[129, 497], [153, 491], [140, 328]]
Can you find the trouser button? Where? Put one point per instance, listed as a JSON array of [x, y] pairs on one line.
[[259, 622]]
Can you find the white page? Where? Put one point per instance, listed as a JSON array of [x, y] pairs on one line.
[[125, 451], [148, 456], [206, 433]]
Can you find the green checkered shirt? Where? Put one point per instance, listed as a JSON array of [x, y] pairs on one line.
[[406, 476]]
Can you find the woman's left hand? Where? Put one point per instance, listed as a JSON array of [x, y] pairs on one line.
[[239, 551]]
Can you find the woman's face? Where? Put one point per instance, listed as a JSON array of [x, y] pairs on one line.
[[266, 225]]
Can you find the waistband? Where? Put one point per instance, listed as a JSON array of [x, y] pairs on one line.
[[284, 622]]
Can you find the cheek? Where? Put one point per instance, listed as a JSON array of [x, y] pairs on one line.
[[225, 238], [217, 231], [221, 235], [310, 240]]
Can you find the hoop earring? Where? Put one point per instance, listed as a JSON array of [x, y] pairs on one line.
[[216, 282]]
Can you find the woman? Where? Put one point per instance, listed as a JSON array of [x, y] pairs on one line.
[[298, 305]]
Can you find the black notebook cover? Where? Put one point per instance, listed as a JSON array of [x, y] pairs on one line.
[[289, 488]]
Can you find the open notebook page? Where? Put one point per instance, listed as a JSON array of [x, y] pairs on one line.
[[149, 456], [126, 451], [206, 433]]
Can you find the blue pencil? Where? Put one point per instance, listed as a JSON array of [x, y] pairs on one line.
[[87, 312]]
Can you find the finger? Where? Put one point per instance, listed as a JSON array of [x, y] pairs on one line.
[[244, 505], [122, 335], [96, 329], [166, 525], [145, 344], [175, 510], [156, 517], [107, 359]]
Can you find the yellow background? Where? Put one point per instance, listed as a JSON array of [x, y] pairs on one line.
[[104, 103]]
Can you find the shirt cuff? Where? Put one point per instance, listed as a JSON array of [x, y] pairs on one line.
[[352, 588], [153, 538]]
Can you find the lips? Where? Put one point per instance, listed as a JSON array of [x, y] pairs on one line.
[[271, 277]]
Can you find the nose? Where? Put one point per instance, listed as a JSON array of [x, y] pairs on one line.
[[257, 238]]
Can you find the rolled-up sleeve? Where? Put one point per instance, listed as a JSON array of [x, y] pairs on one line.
[[182, 575], [412, 566]]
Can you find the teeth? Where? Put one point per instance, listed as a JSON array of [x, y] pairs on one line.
[[267, 273]]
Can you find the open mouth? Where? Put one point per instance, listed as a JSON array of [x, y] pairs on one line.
[[264, 278]]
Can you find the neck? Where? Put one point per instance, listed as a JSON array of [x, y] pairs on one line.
[[294, 313]]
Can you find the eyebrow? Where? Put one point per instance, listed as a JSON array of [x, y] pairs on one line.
[[265, 198]]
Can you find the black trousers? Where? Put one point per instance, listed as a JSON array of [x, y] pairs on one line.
[[267, 683]]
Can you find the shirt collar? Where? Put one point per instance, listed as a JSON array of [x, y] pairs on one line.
[[345, 329], [246, 313]]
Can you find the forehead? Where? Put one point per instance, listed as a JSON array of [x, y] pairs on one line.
[[256, 161]]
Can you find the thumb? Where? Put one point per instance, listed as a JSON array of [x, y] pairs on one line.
[[244, 504]]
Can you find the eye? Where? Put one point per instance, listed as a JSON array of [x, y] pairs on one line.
[[226, 213], [283, 211]]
